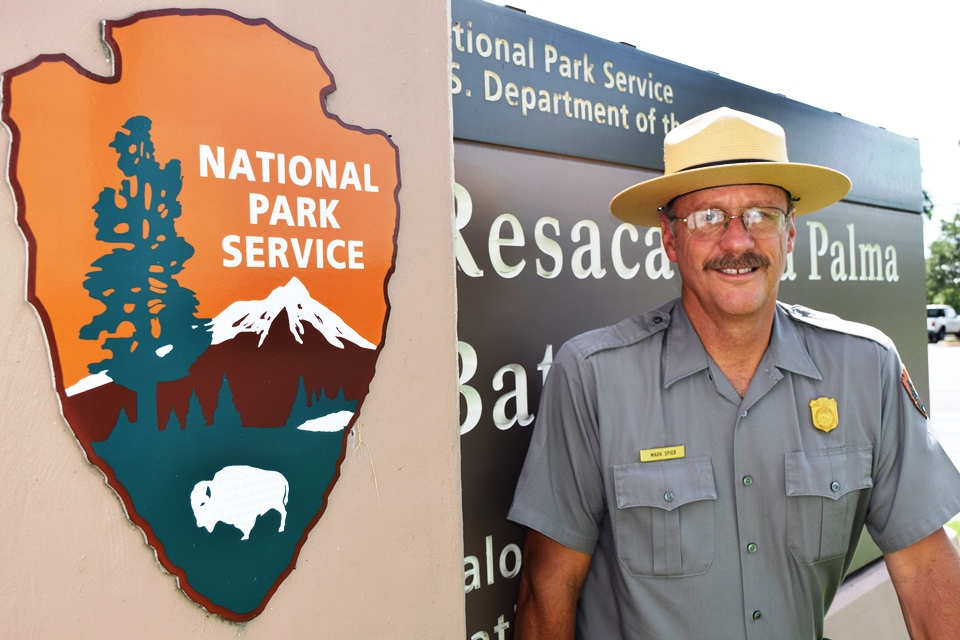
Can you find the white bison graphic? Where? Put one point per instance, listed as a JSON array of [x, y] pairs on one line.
[[237, 495]]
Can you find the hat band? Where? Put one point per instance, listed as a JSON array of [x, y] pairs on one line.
[[722, 162]]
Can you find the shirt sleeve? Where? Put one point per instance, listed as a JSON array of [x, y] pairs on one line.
[[916, 486], [560, 491]]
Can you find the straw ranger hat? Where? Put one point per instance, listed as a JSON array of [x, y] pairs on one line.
[[727, 147]]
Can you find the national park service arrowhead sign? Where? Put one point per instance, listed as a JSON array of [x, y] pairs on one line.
[[208, 253]]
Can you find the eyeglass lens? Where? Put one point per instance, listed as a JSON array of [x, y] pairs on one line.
[[760, 222]]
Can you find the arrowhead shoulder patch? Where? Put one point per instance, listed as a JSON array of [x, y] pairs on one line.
[[912, 391]]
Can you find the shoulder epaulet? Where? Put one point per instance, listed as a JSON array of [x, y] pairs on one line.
[[830, 322], [625, 332]]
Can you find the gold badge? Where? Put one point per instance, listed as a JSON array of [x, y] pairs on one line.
[[824, 414]]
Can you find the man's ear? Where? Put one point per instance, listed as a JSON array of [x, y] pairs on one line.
[[792, 233], [669, 240]]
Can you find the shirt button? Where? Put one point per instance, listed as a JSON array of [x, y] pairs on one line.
[[834, 486], [743, 415], [668, 496], [757, 615], [747, 481], [752, 547]]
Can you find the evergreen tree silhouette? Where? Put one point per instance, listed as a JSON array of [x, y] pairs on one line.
[[152, 330], [195, 417], [226, 414], [300, 411], [173, 423], [123, 420]]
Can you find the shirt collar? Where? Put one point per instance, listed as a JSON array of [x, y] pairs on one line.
[[787, 349], [685, 355]]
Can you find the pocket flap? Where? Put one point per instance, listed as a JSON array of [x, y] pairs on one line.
[[665, 485], [831, 473]]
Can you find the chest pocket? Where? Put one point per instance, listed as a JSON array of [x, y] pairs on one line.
[[823, 491], [664, 520]]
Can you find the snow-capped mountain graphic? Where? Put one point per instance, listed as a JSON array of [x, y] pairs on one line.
[[257, 316], [263, 348]]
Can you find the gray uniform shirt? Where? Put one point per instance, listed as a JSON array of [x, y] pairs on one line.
[[749, 533]]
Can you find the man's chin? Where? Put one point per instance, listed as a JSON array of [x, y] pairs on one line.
[[743, 303]]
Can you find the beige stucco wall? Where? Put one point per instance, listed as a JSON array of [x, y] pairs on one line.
[[386, 558]]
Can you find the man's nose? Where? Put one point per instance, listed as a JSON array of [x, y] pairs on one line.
[[736, 234]]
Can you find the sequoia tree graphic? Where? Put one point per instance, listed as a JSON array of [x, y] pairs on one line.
[[153, 333]]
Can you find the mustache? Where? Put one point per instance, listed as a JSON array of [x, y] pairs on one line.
[[748, 260]]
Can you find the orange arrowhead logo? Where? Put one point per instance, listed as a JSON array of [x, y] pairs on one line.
[[208, 252]]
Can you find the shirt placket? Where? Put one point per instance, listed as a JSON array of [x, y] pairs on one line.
[[753, 477]]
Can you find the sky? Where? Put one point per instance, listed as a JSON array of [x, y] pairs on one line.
[[892, 65]]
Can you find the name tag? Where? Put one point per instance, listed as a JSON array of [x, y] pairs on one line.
[[663, 453]]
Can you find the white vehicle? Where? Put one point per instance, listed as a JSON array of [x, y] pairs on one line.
[[941, 320]]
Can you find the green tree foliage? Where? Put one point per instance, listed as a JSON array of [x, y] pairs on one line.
[[152, 330], [928, 205], [943, 265]]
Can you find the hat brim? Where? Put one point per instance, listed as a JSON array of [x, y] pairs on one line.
[[816, 187]]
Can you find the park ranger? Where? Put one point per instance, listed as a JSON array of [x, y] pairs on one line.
[[703, 470]]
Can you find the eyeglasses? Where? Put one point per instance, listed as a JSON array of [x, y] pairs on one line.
[[760, 222]]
